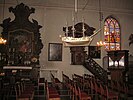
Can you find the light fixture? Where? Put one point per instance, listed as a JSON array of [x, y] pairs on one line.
[[80, 41], [72, 40], [100, 43], [2, 41]]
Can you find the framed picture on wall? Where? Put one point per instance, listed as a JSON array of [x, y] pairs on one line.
[[55, 52], [94, 52]]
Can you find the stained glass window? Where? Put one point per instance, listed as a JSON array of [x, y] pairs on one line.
[[111, 34]]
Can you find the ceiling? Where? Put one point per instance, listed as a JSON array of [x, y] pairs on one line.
[[87, 4]]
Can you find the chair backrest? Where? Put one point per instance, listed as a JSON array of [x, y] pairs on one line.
[[92, 85], [16, 91], [65, 78], [98, 87], [79, 92], [76, 92], [104, 90], [41, 80], [21, 87], [122, 87], [47, 90]]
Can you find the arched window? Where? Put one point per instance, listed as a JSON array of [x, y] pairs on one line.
[[111, 34]]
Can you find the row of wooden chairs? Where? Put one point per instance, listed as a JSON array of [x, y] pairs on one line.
[[95, 88], [119, 86], [99, 89], [74, 90], [56, 82], [114, 85], [51, 92], [24, 91]]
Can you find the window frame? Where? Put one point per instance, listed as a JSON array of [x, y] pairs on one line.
[[117, 35]]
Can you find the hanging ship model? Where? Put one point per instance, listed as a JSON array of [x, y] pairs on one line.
[[78, 35]]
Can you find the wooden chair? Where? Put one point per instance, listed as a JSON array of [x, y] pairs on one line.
[[92, 87], [79, 80], [68, 85], [65, 78], [106, 94], [123, 90], [114, 85], [23, 93], [80, 95], [41, 83], [72, 90], [51, 93], [95, 89], [56, 82]]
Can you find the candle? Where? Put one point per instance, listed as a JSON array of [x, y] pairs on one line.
[[83, 27], [76, 6], [73, 29], [66, 29]]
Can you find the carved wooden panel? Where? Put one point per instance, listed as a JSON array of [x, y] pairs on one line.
[[77, 55], [22, 35], [23, 43]]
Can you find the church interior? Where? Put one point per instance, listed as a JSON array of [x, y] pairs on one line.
[[66, 50]]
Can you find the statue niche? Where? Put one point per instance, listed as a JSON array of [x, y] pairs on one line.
[[23, 37]]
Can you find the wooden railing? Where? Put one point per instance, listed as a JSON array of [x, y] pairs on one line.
[[96, 69]]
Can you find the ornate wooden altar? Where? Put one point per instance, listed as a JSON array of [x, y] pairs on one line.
[[23, 38]]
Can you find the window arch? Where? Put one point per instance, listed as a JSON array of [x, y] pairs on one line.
[[111, 34]]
